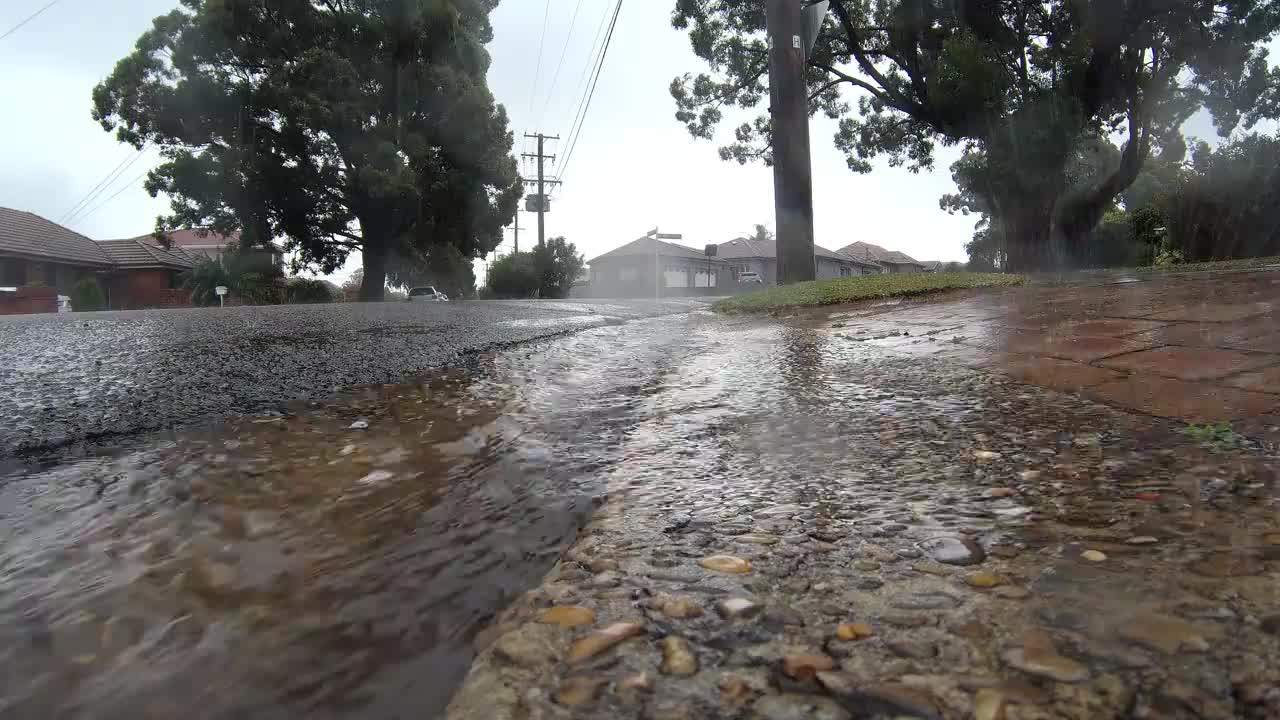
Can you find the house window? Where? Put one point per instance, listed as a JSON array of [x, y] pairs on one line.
[[845, 272], [704, 279], [676, 276]]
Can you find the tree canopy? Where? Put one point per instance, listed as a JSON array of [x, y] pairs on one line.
[[549, 271], [1020, 85], [337, 125]]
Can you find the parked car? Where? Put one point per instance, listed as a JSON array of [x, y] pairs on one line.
[[426, 294], [750, 278]]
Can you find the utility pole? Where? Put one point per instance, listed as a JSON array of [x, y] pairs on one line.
[[543, 204], [789, 112], [515, 228]]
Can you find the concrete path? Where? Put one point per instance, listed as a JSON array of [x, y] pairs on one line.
[[1203, 348]]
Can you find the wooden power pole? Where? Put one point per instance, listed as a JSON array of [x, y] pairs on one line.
[[789, 112], [543, 205]]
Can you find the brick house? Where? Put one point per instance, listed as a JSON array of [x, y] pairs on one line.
[[891, 260], [37, 252], [41, 260], [145, 275], [205, 243]]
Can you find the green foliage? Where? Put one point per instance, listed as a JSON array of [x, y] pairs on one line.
[[440, 266], [1224, 204], [305, 291], [546, 272], [1168, 257], [1219, 436], [87, 296], [513, 276], [1026, 87], [242, 275], [558, 264], [340, 126], [865, 287]]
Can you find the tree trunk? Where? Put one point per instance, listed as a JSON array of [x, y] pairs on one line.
[[374, 257], [1029, 237]]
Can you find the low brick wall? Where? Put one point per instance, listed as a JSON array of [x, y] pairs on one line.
[[28, 301], [173, 299]]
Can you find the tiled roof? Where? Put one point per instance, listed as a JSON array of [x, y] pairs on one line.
[[136, 254], [28, 235], [191, 237], [875, 253], [749, 247], [644, 247]]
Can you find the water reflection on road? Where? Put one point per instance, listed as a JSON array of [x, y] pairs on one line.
[[338, 559]]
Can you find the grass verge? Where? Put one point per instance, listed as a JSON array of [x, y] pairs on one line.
[[866, 287], [1244, 264]]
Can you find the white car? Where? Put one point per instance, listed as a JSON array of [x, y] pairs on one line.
[[426, 294], [750, 278]]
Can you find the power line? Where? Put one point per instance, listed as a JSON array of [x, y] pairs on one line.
[[33, 16], [127, 186], [537, 70], [564, 167], [563, 51], [102, 185], [581, 86]]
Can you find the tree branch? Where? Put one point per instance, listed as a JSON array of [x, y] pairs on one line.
[[855, 46], [876, 92]]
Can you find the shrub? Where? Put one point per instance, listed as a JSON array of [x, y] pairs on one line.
[[87, 296], [304, 291]]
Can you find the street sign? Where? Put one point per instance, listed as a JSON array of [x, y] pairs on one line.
[[221, 289], [670, 236], [711, 250], [814, 13], [536, 203]]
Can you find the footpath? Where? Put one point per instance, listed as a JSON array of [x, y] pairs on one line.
[[1057, 502]]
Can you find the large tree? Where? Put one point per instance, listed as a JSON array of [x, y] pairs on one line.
[[441, 267], [1019, 84], [337, 125]]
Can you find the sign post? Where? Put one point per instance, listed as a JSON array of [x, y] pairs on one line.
[[222, 295], [657, 274]]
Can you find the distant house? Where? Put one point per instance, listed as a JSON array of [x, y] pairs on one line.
[[647, 268], [42, 259], [145, 275], [199, 243], [35, 251], [891, 260], [761, 257]]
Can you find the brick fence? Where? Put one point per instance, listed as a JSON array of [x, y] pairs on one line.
[[29, 300]]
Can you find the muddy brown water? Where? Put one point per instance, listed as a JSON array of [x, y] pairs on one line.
[[305, 565], [299, 565]]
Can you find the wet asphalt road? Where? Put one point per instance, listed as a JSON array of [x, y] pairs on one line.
[[69, 378]]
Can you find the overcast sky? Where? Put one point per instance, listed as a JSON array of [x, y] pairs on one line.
[[634, 168]]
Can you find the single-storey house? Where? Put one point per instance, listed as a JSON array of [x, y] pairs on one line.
[[648, 267], [206, 243], [42, 258], [145, 275], [761, 257], [891, 260], [37, 252]]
